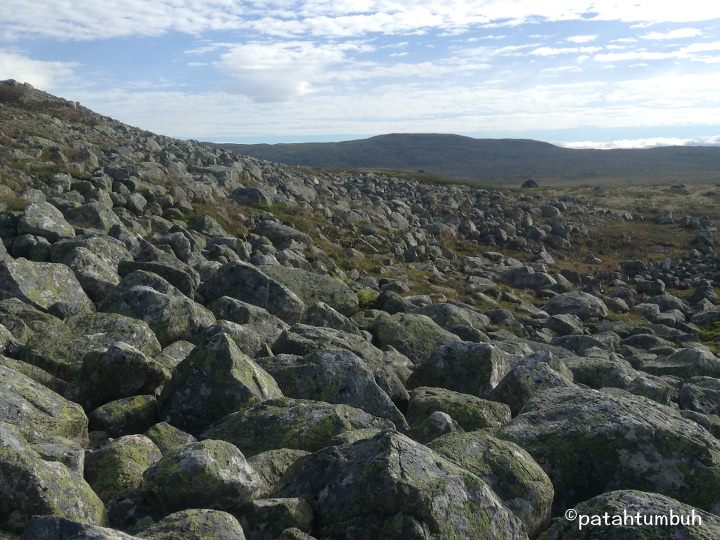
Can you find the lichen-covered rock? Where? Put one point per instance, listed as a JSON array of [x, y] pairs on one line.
[[43, 219], [290, 423], [259, 319], [167, 437], [266, 519], [215, 380], [633, 503], [195, 524], [470, 412], [530, 376], [701, 394], [125, 416], [174, 271], [303, 339], [508, 469], [120, 371], [62, 450], [50, 287], [271, 465], [469, 368], [250, 284], [322, 315], [312, 288], [435, 425], [390, 486], [37, 411], [171, 315], [120, 465], [685, 363], [57, 528], [335, 376], [97, 277], [597, 372], [581, 304], [31, 486], [60, 348], [589, 442], [205, 474], [92, 215], [415, 336], [461, 321]]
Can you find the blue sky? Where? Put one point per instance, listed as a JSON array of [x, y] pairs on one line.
[[605, 73]]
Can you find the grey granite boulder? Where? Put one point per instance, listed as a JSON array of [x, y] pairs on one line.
[[43, 219], [215, 380], [508, 469], [634, 504], [334, 376], [205, 474], [589, 442], [583, 305], [31, 486], [390, 486], [290, 423], [250, 284], [47, 286]]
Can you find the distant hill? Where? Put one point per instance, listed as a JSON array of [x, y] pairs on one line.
[[497, 160]]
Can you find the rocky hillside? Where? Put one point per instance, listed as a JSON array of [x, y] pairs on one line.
[[499, 161], [196, 344]]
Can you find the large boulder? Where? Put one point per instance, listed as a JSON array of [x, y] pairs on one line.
[[303, 339], [215, 380], [250, 284], [415, 336], [38, 411], [389, 486], [266, 519], [462, 321], [205, 474], [31, 486], [120, 371], [195, 524], [271, 466], [119, 465], [60, 348], [290, 423], [172, 315], [589, 442], [684, 363], [97, 277], [58, 528], [470, 412], [336, 376], [581, 304], [47, 286], [469, 368], [313, 288], [43, 219], [508, 469], [529, 377], [637, 506]]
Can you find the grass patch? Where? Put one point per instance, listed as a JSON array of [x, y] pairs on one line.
[[710, 336]]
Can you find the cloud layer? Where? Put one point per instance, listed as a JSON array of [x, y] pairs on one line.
[[226, 69]]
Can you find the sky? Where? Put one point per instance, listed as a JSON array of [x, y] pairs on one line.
[[604, 74]]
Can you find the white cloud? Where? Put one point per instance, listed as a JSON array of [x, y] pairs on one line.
[[277, 71], [555, 51], [651, 142], [679, 33], [92, 19], [581, 38], [435, 105], [691, 52], [41, 74]]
